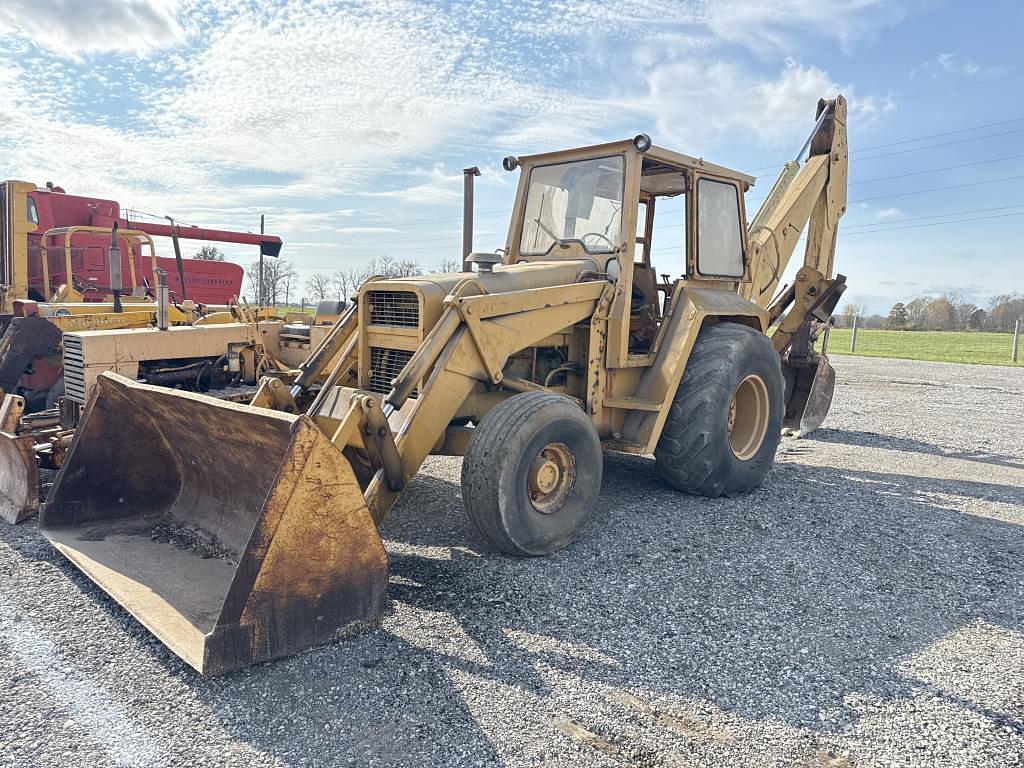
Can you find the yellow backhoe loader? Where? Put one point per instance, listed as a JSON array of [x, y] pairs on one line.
[[240, 533]]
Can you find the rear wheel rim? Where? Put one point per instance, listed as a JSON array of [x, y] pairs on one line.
[[551, 477], [748, 417]]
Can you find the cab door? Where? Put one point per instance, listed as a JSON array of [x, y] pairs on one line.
[[719, 234]]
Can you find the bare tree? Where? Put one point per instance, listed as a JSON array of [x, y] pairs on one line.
[[451, 265], [347, 281], [288, 279], [916, 312], [851, 310], [406, 268], [386, 266], [1004, 310], [253, 276], [940, 315], [319, 286], [279, 278]]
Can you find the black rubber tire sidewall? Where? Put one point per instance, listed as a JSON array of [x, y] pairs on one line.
[[495, 470], [532, 531], [725, 354]]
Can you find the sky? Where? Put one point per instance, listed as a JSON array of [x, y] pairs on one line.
[[349, 123]]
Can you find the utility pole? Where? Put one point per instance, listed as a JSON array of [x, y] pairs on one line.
[[1016, 340], [259, 301], [468, 174], [853, 336]]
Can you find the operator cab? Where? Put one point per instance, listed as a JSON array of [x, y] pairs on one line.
[[686, 217]]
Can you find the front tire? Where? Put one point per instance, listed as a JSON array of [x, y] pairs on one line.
[[725, 421], [531, 472]]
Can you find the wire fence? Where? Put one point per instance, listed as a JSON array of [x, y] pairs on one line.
[[982, 347]]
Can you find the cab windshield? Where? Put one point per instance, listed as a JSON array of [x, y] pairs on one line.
[[575, 202]]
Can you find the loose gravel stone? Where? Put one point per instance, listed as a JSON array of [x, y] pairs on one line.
[[863, 608]]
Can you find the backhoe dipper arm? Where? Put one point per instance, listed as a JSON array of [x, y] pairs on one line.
[[816, 193], [812, 196]]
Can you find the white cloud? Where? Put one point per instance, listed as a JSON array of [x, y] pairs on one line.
[[694, 102], [958, 64], [777, 25], [347, 99], [965, 65], [80, 28], [441, 186], [889, 214], [364, 230]]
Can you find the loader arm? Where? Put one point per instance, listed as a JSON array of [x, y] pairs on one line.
[[469, 345]]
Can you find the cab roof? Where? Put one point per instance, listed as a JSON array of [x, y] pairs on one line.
[[655, 153]]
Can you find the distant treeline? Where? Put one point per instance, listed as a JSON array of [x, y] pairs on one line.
[[950, 312]]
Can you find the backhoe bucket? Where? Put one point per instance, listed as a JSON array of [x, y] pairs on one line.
[[19, 478], [808, 395], [235, 534]]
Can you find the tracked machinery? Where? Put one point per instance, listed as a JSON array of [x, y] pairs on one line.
[[240, 533]]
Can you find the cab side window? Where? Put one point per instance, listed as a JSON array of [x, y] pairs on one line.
[[33, 214], [719, 238]]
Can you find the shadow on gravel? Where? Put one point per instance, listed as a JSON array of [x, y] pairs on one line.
[[780, 604], [874, 439], [783, 605]]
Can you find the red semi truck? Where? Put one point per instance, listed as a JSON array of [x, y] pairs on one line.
[[37, 219], [55, 277]]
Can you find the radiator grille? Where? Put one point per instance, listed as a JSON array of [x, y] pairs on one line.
[[398, 309], [74, 369], [385, 365]]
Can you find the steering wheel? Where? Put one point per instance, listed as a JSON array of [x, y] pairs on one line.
[[584, 237]]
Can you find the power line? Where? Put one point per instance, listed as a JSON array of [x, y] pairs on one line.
[[935, 170], [944, 133], [847, 228], [937, 189], [899, 99], [922, 192], [938, 146], [925, 138], [454, 239], [503, 212], [936, 224]]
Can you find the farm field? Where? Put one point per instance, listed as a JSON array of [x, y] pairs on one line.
[[937, 346]]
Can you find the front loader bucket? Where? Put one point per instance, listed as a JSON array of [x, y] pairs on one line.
[[235, 534], [809, 392], [19, 478]]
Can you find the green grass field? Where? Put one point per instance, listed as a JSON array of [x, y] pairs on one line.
[[283, 310], [941, 346]]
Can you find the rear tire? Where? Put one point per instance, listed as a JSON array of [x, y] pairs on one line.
[[725, 421], [531, 472]]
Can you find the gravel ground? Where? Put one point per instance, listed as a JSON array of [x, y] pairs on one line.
[[864, 607]]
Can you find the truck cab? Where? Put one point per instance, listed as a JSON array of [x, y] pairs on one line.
[[40, 223]]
